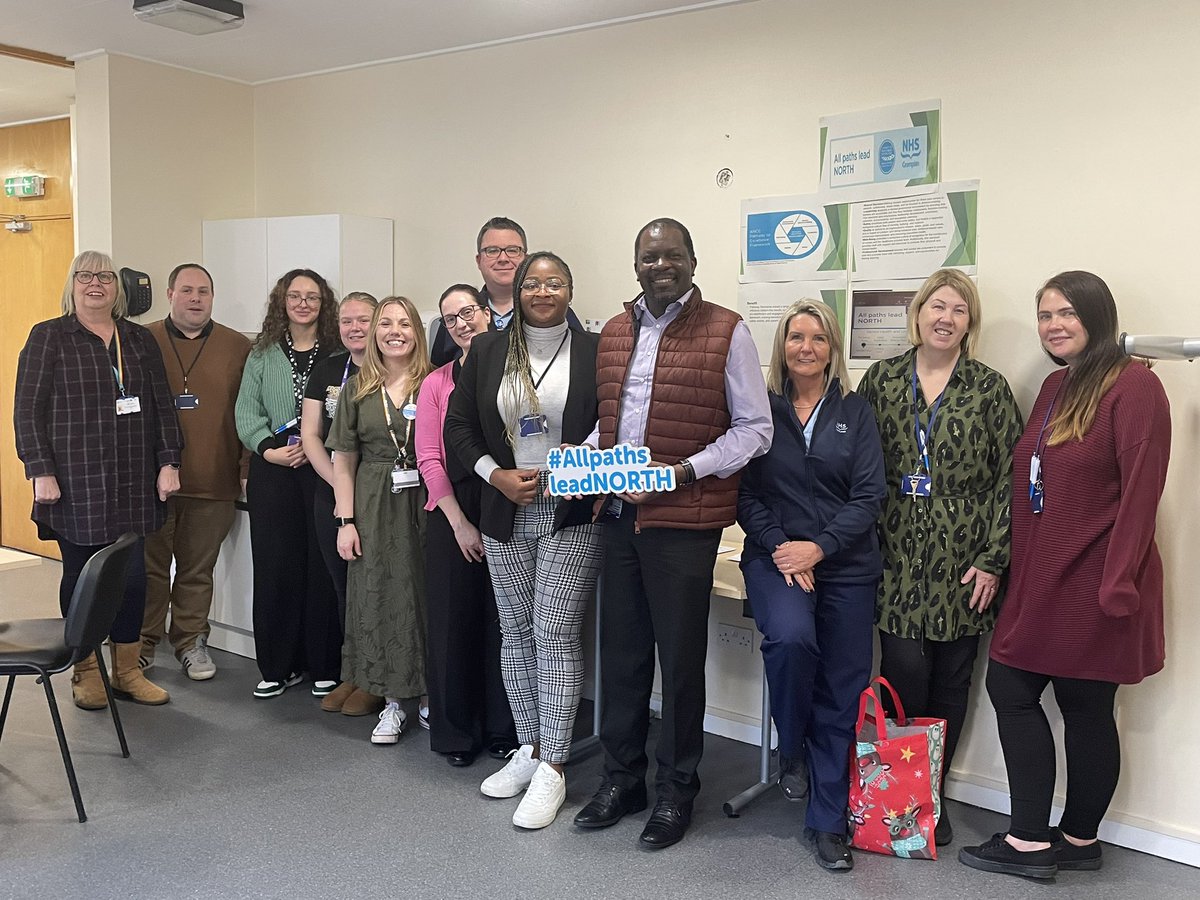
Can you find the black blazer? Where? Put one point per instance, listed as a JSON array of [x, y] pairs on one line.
[[474, 427]]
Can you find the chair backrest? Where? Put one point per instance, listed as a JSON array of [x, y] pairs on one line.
[[98, 595]]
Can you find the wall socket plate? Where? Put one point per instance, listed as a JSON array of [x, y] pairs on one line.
[[737, 637]]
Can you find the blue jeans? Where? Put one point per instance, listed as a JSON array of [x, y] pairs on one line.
[[816, 650]]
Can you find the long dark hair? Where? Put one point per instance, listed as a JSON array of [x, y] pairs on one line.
[[275, 324], [1101, 361]]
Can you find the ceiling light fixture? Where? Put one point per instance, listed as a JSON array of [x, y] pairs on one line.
[[191, 16]]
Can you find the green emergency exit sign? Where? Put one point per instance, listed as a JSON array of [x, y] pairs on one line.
[[24, 186]]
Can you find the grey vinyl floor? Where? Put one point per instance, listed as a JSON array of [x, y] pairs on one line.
[[228, 796]]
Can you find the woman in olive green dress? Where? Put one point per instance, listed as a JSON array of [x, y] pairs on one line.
[[948, 424], [379, 505]]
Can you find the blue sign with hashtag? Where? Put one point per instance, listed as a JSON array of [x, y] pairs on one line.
[[619, 470]]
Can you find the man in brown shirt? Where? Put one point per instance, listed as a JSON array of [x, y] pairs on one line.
[[204, 362]]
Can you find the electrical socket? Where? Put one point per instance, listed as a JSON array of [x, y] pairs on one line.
[[735, 636]]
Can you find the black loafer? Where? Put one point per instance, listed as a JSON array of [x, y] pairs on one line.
[[833, 852], [610, 805], [793, 778], [667, 824], [501, 748], [943, 833], [998, 855], [461, 758]]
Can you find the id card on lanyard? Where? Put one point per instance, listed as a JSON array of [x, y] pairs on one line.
[[125, 405], [1037, 488], [402, 476], [920, 482]]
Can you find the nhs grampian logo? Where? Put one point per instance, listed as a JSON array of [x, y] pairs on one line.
[[782, 235], [887, 157]]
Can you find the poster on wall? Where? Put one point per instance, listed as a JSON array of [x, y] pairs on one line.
[[892, 151], [796, 238], [910, 237], [761, 305], [879, 319]]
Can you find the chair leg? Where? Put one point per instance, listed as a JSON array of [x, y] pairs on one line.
[[7, 697], [62, 745], [112, 705]]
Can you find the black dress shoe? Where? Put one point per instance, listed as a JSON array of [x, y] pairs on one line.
[[793, 777], [461, 758], [666, 825], [832, 851], [943, 832], [501, 748], [610, 805]]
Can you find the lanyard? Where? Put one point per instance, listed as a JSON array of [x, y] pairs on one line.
[[924, 437], [387, 414], [195, 359], [1038, 446], [119, 368], [537, 384], [346, 371], [299, 381]]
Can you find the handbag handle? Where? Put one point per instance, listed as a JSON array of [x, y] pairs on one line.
[[880, 718]]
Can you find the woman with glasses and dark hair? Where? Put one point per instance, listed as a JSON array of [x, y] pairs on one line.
[[469, 710], [97, 431], [948, 424], [1084, 611], [521, 393], [812, 564], [296, 628]]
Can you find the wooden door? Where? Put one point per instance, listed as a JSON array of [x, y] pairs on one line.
[[33, 268]]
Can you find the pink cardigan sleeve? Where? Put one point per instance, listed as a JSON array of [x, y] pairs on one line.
[[432, 403]]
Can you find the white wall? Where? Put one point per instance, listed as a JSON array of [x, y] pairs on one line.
[[1079, 117]]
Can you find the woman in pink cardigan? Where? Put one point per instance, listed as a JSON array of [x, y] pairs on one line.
[[468, 708]]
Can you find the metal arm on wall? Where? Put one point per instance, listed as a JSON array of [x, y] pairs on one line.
[[16, 223], [1160, 346]]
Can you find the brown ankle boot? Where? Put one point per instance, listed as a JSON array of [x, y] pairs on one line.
[[333, 701], [361, 703], [128, 682], [86, 686]]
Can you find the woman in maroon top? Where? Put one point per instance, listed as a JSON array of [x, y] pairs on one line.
[[1084, 606]]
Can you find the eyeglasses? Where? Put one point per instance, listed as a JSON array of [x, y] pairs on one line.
[[102, 277], [303, 299], [467, 314], [550, 285], [513, 252]]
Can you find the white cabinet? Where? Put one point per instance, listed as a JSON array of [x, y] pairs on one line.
[[247, 256]]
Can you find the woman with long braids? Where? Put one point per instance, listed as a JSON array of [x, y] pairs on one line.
[[296, 628], [523, 392]]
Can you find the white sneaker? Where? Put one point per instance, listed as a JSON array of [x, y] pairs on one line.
[[543, 800], [514, 777], [197, 663], [391, 724]]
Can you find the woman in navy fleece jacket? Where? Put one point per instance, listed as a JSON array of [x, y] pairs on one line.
[[812, 564]]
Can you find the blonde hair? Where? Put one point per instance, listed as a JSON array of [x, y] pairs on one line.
[[965, 288], [373, 372], [777, 376], [93, 261]]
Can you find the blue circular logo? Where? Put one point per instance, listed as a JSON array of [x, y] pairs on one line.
[[887, 157]]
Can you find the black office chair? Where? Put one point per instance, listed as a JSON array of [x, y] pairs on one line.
[[45, 647]]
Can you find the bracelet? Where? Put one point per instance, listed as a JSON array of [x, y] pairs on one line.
[[343, 520], [689, 474]]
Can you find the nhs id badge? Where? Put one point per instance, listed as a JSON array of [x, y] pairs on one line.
[[533, 425], [186, 401], [916, 485], [128, 405], [404, 478], [1037, 492]]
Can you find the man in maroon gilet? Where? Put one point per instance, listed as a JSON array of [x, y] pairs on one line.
[[681, 376]]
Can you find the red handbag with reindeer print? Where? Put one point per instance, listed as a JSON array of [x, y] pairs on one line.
[[895, 779]]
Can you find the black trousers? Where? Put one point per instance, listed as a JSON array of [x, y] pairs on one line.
[[323, 504], [1093, 749], [468, 707], [933, 678], [656, 588], [127, 627], [296, 626]]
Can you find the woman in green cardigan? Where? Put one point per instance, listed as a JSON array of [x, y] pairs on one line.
[[296, 623]]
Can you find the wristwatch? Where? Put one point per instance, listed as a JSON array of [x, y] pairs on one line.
[[343, 520]]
